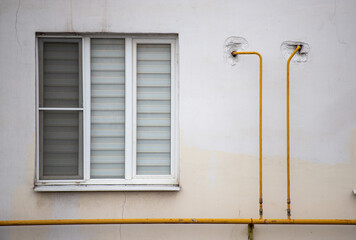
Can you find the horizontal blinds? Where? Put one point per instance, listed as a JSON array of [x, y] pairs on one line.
[[107, 108], [153, 155], [60, 131], [61, 136], [61, 75]]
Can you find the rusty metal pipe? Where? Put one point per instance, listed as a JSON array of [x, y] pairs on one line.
[[260, 127], [288, 136], [179, 221]]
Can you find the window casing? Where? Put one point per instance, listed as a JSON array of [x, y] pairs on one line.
[[114, 109]]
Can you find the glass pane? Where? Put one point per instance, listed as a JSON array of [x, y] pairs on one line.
[[153, 109], [60, 75], [61, 144], [107, 108]]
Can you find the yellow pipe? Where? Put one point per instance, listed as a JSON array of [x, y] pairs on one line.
[[260, 127], [288, 143], [180, 221]]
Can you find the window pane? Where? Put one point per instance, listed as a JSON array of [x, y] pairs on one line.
[[60, 74], [60, 144], [153, 109], [107, 108]]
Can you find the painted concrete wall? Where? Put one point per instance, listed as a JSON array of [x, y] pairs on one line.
[[219, 142]]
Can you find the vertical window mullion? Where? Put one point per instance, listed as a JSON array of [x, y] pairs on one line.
[[134, 108], [39, 103], [81, 145], [86, 106], [40, 132], [81, 115], [129, 113], [173, 110]]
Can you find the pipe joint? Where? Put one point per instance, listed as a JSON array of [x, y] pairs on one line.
[[232, 44], [250, 231], [233, 53]]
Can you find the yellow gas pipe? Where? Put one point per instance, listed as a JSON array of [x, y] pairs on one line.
[[260, 126], [288, 143], [179, 221]]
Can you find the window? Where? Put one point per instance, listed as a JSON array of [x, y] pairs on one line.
[[107, 113]]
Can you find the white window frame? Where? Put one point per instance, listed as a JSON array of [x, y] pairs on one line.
[[132, 181]]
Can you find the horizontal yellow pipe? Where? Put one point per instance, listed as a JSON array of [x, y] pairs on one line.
[[179, 221]]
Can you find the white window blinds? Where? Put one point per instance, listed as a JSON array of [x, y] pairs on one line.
[[153, 130], [60, 112], [107, 108]]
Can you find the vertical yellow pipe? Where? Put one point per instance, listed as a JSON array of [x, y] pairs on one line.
[[260, 128], [288, 143]]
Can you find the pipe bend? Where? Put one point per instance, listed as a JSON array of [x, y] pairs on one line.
[[292, 55], [234, 53]]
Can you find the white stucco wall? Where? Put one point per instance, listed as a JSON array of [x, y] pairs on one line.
[[218, 117]]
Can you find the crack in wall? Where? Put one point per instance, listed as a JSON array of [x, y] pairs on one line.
[[70, 21], [123, 207], [336, 26], [104, 23], [16, 19], [122, 213]]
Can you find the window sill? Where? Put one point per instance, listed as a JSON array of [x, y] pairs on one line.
[[98, 188]]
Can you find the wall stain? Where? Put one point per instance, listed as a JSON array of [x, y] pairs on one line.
[[26, 204], [105, 16], [235, 194]]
